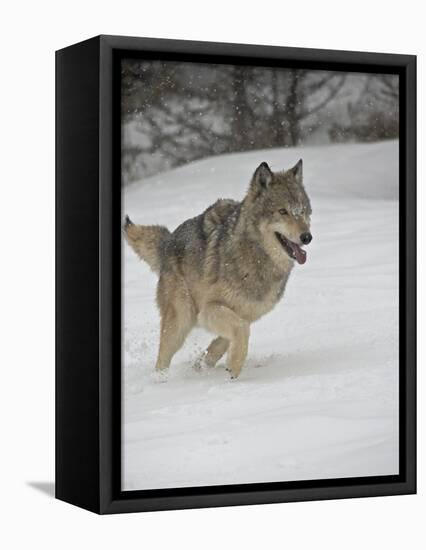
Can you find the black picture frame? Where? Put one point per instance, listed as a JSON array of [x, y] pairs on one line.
[[88, 275]]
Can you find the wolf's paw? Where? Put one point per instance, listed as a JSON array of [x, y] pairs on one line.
[[233, 374], [201, 363], [160, 376]]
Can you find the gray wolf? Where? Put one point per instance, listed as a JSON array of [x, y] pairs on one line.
[[227, 267]]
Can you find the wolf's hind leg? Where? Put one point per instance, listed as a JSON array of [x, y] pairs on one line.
[[177, 320], [227, 324], [174, 329]]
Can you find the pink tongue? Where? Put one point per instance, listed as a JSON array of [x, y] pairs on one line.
[[299, 253]]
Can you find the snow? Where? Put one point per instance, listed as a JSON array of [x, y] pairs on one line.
[[318, 397]]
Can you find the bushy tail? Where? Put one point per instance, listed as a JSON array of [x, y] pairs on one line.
[[147, 241]]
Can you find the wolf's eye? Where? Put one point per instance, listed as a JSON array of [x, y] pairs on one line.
[[283, 211]]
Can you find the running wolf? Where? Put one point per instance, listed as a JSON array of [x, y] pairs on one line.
[[227, 267]]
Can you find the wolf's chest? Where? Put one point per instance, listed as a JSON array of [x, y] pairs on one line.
[[257, 296]]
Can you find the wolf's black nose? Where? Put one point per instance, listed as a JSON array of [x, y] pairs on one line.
[[306, 238]]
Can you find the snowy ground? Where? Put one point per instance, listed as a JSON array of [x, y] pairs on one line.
[[318, 397]]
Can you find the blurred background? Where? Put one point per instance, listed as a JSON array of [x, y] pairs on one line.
[[174, 113]]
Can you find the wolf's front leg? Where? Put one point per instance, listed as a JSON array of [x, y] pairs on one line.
[[216, 351], [213, 353], [227, 324]]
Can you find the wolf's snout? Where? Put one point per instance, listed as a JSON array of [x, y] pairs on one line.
[[306, 238]]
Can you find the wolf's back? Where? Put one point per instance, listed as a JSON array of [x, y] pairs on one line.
[[147, 241]]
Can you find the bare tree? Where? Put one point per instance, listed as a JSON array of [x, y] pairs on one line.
[[176, 110], [277, 107], [387, 88], [374, 115], [240, 109], [174, 113], [304, 95]]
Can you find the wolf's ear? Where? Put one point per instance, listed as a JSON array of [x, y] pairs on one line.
[[263, 175], [297, 171]]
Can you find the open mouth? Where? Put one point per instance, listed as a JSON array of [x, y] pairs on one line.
[[292, 249]]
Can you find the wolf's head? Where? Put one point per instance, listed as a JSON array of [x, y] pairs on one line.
[[282, 211]]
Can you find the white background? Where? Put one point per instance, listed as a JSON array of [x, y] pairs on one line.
[[30, 32]]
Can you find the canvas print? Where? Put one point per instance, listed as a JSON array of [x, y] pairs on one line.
[[259, 274]]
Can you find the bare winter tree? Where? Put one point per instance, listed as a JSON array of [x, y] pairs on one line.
[[241, 112], [298, 95], [387, 88], [174, 113], [276, 107], [374, 115]]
